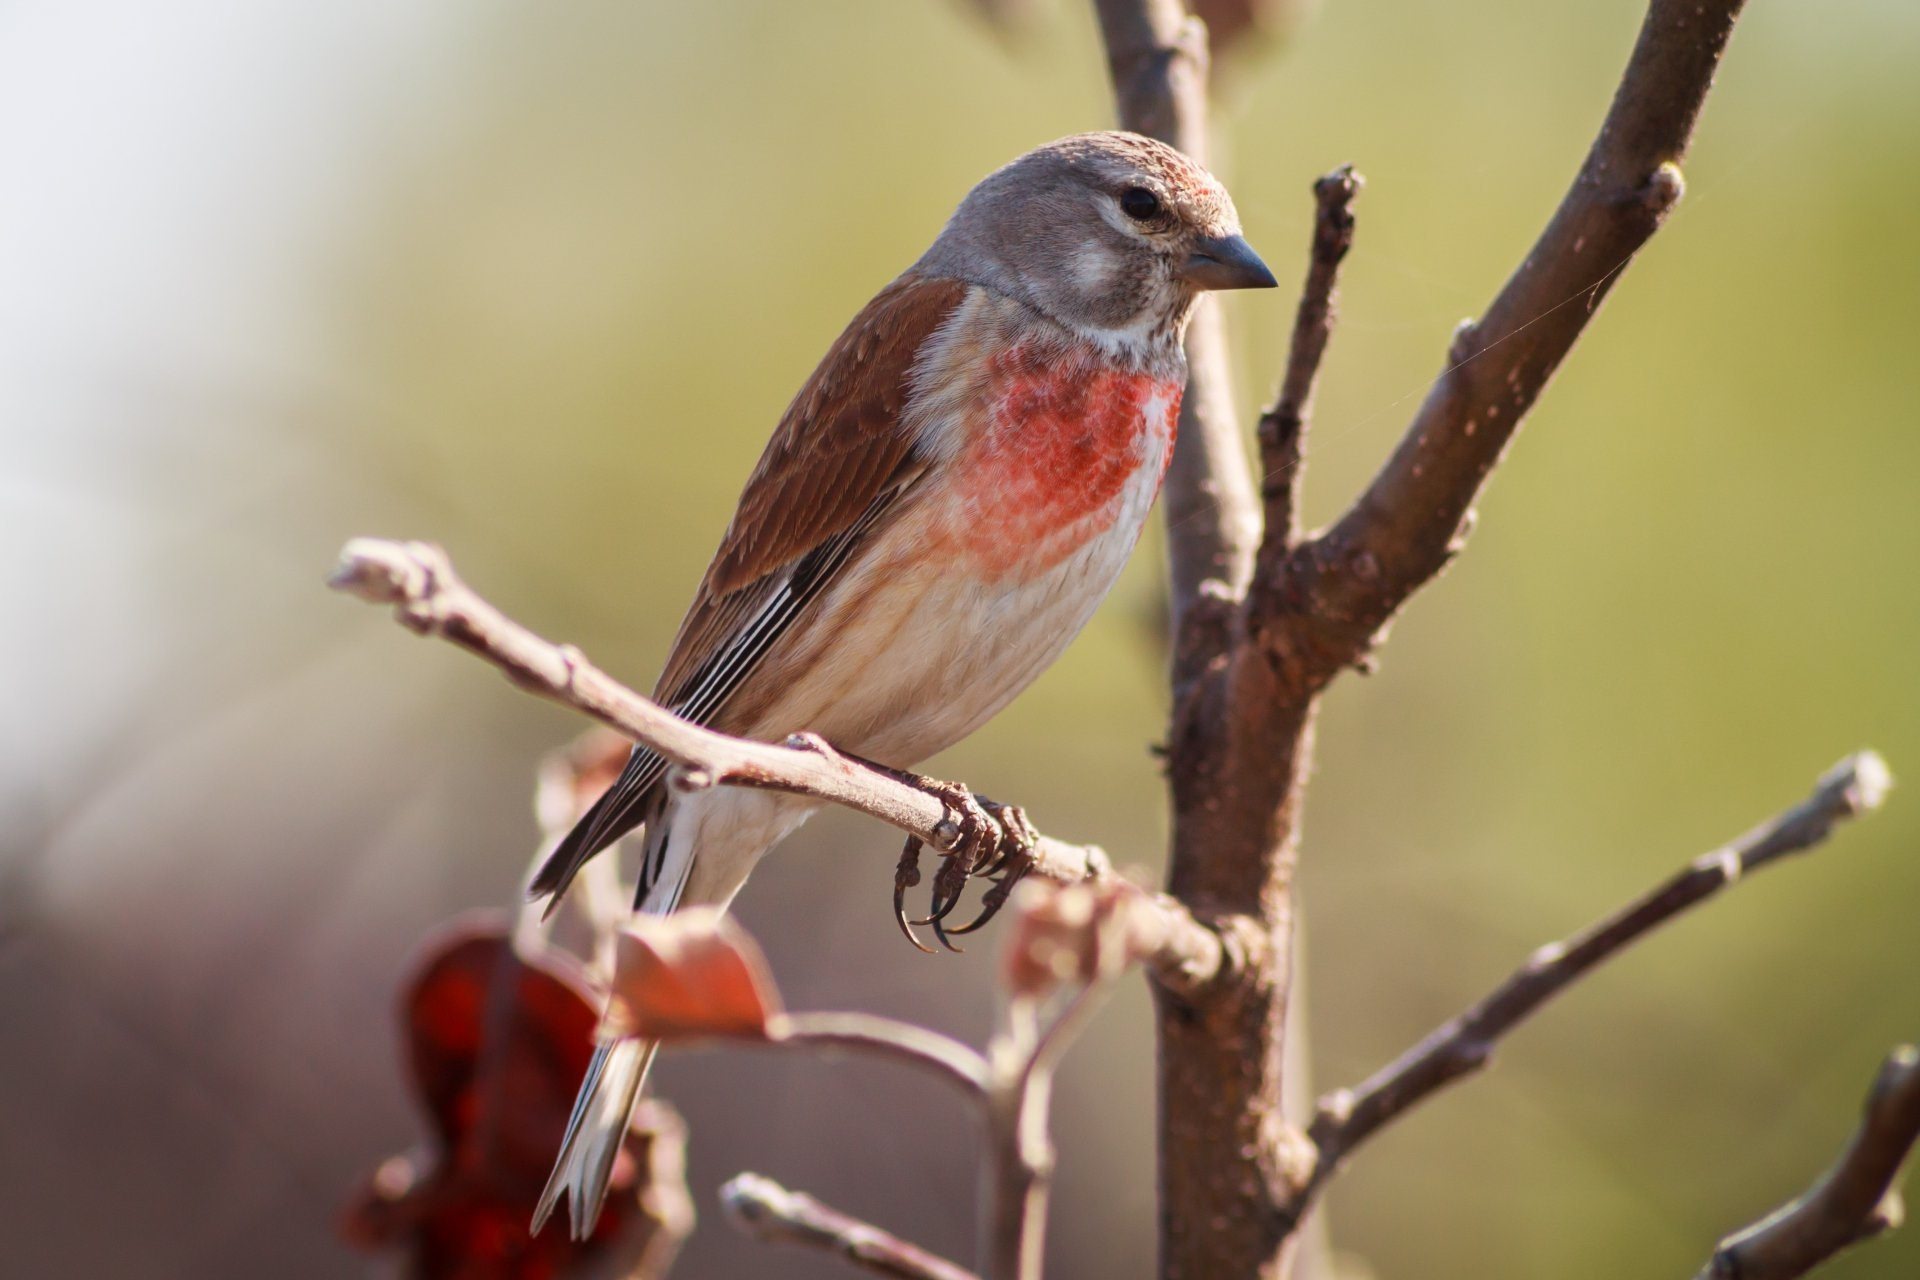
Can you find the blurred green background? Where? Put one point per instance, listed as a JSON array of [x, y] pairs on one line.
[[534, 281]]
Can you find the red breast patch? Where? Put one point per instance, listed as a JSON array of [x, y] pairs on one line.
[[1046, 472]]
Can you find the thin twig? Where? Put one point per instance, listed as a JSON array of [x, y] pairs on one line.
[[1021, 1157], [1283, 428], [659, 1142], [1413, 517], [865, 1033], [429, 598], [1052, 1044], [1076, 938], [1465, 1044], [768, 1211], [1855, 1200], [1016, 1169]]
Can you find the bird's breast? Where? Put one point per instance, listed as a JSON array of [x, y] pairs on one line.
[[1060, 452], [1050, 461]]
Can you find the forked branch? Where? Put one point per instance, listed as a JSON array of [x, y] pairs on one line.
[[1246, 687], [1344, 585]]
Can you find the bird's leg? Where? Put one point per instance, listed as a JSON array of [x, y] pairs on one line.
[[978, 838], [1017, 841]]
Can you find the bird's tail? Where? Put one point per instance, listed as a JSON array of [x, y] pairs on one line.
[[607, 1095], [601, 1112], [604, 1106]]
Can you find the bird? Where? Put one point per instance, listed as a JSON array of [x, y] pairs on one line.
[[940, 510]]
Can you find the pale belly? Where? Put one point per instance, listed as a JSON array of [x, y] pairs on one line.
[[922, 644]]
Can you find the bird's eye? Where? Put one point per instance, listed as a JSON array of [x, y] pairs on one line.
[[1140, 204]]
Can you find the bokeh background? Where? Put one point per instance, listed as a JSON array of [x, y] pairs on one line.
[[534, 281]]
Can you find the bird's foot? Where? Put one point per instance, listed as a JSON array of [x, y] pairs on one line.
[[1013, 860], [992, 841]]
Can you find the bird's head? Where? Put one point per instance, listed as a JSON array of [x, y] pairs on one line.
[[1106, 233]]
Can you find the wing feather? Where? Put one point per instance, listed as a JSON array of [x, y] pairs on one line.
[[840, 458], [840, 444]]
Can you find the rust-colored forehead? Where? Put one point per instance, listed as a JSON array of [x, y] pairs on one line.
[[1115, 156]]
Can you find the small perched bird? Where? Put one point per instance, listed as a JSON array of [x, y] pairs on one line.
[[940, 510]]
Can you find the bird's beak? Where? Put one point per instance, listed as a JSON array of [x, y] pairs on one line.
[[1226, 262]]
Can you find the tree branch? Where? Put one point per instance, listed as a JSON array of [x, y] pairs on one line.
[[1075, 939], [429, 598], [1219, 1043], [1247, 686], [666, 1206], [768, 1211], [1283, 428], [1078, 939], [1157, 57], [1344, 585], [1856, 1199], [1465, 1044], [884, 1038]]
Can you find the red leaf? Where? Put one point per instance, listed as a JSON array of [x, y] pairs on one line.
[[689, 975], [497, 1044], [504, 1075]]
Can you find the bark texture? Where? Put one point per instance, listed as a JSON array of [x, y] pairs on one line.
[[1263, 627]]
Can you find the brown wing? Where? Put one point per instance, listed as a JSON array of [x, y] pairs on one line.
[[838, 447], [838, 459]]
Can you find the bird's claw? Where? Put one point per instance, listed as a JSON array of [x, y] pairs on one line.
[[1014, 861], [1018, 839], [992, 841], [905, 876]]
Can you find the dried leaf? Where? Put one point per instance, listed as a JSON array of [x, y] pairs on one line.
[[1072, 934], [689, 975]]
